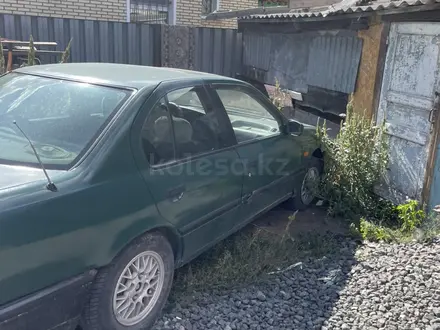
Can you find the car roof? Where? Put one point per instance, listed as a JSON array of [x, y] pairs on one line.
[[122, 75]]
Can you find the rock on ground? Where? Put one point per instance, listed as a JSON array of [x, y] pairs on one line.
[[374, 286]]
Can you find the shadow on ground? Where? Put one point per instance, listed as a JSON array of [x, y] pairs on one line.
[[298, 296]]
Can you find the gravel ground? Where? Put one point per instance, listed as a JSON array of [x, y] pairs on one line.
[[374, 286]]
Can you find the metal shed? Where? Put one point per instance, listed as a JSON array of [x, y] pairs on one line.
[[386, 53]]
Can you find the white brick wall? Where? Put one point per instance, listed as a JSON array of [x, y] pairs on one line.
[[188, 12], [109, 10]]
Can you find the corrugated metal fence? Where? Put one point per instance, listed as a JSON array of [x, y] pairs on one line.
[[130, 43], [325, 59], [334, 62]]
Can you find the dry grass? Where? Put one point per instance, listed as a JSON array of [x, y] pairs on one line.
[[248, 256]]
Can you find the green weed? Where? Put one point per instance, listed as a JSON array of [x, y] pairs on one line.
[[353, 164]]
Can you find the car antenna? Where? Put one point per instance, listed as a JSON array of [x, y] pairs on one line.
[[50, 185]]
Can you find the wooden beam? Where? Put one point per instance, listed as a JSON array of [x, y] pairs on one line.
[[409, 9], [432, 152], [380, 67], [26, 43], [420, 16], [295, 27], [25, 52]]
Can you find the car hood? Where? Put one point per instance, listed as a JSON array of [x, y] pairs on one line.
[[11, 176]]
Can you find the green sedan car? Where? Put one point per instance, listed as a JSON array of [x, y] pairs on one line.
[[112, 176]]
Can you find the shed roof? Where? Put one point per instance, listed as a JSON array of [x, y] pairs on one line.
[[343, 7], [362, 7]]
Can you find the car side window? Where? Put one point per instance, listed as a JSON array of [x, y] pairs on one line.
[[196, 125], [157, 135], [250, 118], [181, 125]]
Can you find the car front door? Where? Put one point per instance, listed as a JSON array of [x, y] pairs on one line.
[[185, 156], [270, 157]]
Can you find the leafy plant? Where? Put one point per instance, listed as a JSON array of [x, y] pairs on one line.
[[278, 96], [66, 53], [410, 215], [372, 232], [353, 164], [31, 52]]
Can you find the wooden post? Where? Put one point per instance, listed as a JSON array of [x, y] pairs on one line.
[[432, 150]]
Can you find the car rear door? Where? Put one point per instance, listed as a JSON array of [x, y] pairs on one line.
[[270, 157], [185, 156]]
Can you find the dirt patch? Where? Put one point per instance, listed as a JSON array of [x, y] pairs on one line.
[[311, 220]]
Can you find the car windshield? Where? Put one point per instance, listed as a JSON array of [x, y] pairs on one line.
[[61, 118]]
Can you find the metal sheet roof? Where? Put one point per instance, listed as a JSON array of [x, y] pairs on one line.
[[343, 7]]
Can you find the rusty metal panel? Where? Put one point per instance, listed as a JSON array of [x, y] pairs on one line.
[[410, 78], [334, 62]]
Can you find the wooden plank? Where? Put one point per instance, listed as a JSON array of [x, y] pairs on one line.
[[26, 43], [432, 156], [380, 67]]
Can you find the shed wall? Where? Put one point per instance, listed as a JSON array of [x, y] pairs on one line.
[[326, 59]]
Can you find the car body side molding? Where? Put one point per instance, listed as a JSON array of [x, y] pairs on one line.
[[60, 304]]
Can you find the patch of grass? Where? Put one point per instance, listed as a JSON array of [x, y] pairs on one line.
[[412, 224], [375, 232], [248, 257], [430, 227]]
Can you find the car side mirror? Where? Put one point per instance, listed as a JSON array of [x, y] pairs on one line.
[[294, 127]]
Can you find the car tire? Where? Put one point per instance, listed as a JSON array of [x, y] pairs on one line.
[[140, 277], [299, 201]]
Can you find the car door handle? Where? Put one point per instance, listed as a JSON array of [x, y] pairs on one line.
[[176, 194]]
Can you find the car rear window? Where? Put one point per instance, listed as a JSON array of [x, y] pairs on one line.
[[61, 118]]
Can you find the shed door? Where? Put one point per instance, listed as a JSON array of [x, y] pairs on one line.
[[410, 78]]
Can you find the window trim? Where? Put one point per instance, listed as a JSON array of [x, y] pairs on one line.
[[209, 104], [215, 6], [247, 90]]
